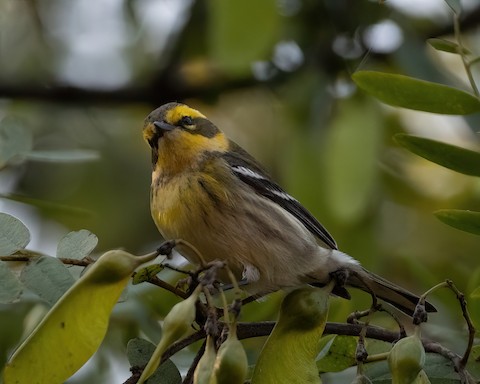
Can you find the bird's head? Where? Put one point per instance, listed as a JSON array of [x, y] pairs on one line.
[[178, 133]]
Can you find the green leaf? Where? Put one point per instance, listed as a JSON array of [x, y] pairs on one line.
[[63, 156], [447, 46], [340, 355], [75, 326], [77, 245], [15, 140], [467, 221], [139, 352], [455, 6], [14, 235], [48, 205], [47, 277], [146, 273], [438, 369], [407, 92], [10, 286], [233, 46], [450, 156]]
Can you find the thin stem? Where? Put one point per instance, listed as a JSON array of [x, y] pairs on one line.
[[458, 37]]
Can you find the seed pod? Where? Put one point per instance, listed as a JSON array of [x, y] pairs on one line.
[[176, 324], [64, 333], [231, 365], [204, 373], [180, 318], [406, 360], [290, 352]]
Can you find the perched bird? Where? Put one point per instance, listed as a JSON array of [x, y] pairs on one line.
[[210, 192]]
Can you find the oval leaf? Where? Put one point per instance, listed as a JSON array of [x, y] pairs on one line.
[[450, 156], [467, 221], [447, 46], [77, 245], [47, 277], [10, 286], [340, 354], [15, 139], [407, 92], [60, 156], [14, 235], [74, 328], [139, 352]]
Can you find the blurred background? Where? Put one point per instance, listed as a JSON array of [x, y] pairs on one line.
[[275, 75]]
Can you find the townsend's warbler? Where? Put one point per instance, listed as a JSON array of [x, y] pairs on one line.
[[210, 192]]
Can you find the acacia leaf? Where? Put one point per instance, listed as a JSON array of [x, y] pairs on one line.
[[10, 286], [47, 277], [77, 245], [421, 95], [450, 156], [139, 352], [466, 221], [14, 235], [15, 140]]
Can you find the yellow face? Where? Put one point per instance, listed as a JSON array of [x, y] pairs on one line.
[[180, 135]]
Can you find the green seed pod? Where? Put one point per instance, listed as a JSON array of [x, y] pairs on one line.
[[231, 365], [176, 324], [406, 360], [180, 318], [290, 352], [361, 379], [204, 373], [421, 378]]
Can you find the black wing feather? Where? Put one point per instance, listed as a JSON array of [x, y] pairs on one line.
[[246, 168]]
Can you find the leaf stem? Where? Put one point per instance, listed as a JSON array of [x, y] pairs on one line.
[[466, 64]]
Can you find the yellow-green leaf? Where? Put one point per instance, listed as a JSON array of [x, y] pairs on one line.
[[411, 93], [74, 328], [467, 221], [450, 156]]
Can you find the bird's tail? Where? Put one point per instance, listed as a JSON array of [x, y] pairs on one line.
[[381, 288]]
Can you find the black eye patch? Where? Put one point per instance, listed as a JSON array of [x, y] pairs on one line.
[[186, 121]]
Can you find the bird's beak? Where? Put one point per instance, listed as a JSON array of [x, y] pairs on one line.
[[163, 127]]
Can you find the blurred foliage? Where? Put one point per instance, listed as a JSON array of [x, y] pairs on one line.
[[277, 78]]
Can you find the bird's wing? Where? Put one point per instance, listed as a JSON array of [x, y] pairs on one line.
[[246, 168]]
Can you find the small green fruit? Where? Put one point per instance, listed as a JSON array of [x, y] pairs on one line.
[[204, 372], [406, 360], [231, 365]]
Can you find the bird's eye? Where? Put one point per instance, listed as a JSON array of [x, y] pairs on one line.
[[187, 122]]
